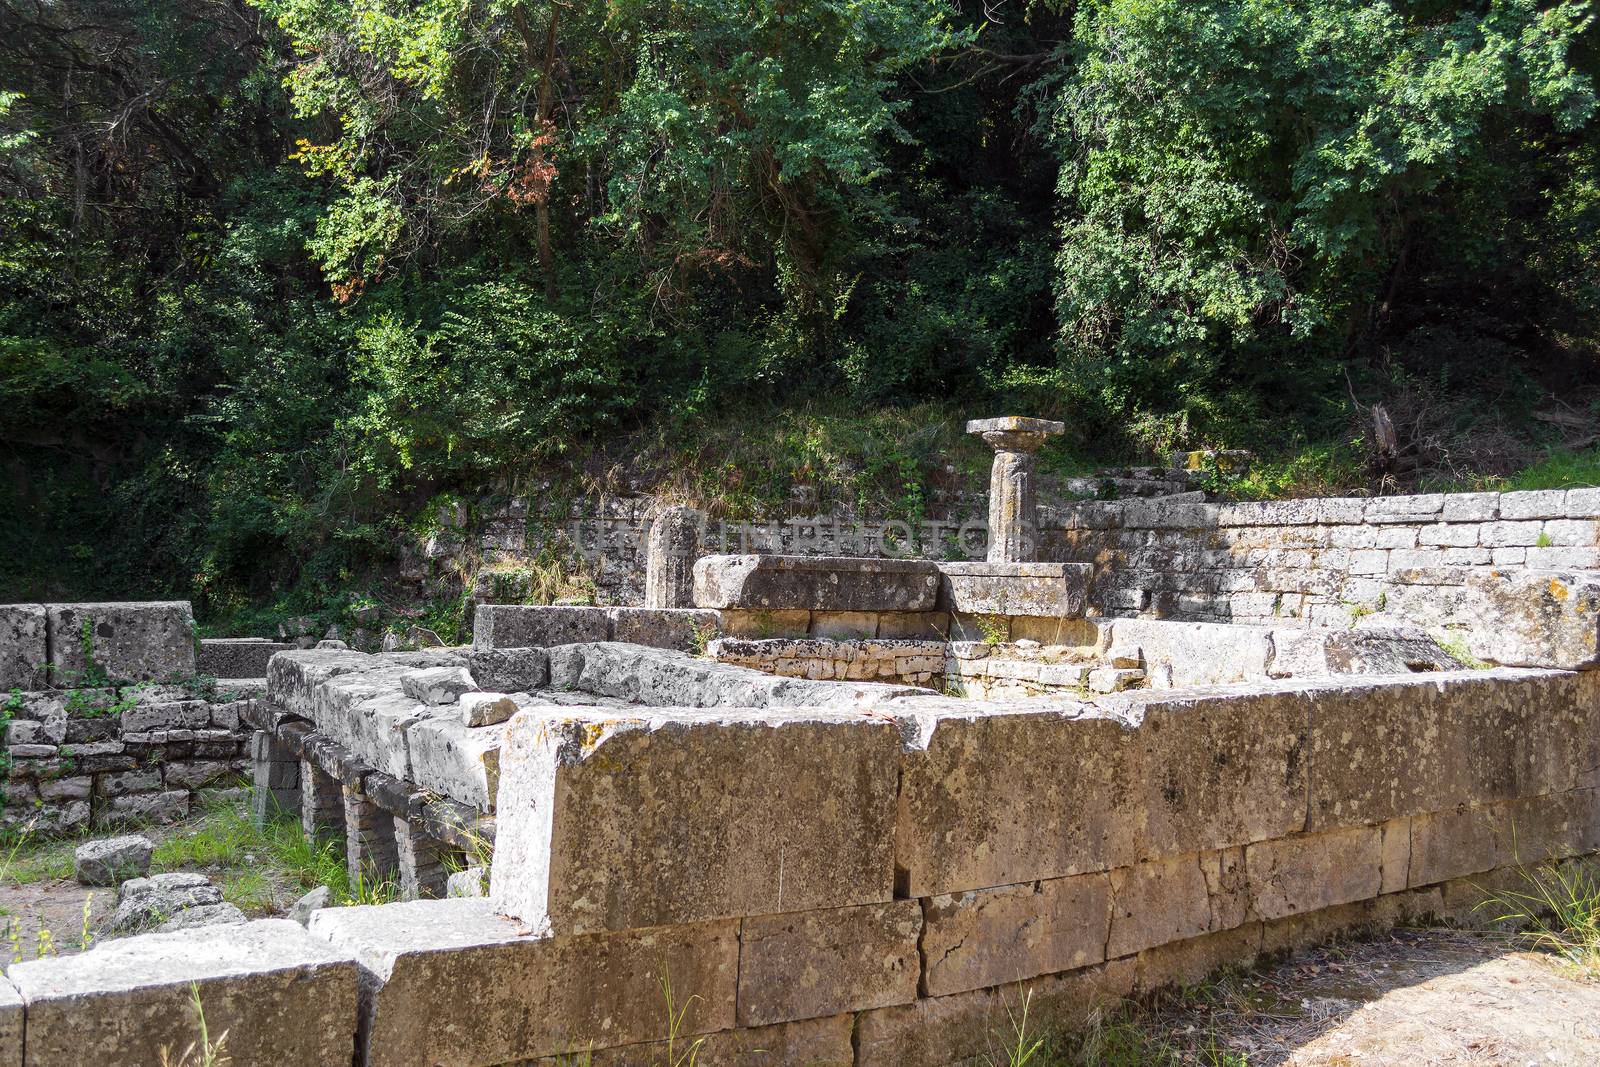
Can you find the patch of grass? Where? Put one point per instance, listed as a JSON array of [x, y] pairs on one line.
[[255, 861], [1557, 910], [1559, 469], [1328, 468], [29, 860]]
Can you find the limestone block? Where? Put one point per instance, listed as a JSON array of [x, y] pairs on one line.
[[1537, 504], [993, 797], [1304, 653], [140, 808], [994, 936], [371, 718], [1053, 590], [282, 997], [485, 709], [23, 656], [1451, 844], [913, 625], [1470, 507], [197, 774], [1216, 769], [515, 996], [615, 821], [522, 626], [684, 629], [1406, 508], [1396, 855], [437, 686], [180, 715], [1430, 743], [1519, 617], [809, 1043], [804, 965], [111, 860], [844, 625], [1156, 903], [1197, 653], [815, 583], [10, 1025], [293, 677], [117, 784], [672, 547], [1186, 963], [1312, 871], [508, 670], [237, 657], [125, 641], [456, 761]]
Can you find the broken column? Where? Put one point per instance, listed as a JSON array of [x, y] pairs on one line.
[[669, 562], [1013, 518]]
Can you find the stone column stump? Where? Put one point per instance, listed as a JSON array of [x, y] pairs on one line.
[[674, 545], [1013, 512]]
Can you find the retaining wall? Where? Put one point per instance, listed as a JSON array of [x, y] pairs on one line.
[[1481, 564], [868, 888]]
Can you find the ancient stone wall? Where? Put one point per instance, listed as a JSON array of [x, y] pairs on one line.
[[1512, 573], [840, 887], [104, 720]]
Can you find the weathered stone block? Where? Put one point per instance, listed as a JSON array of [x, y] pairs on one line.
[[522, 626], [1536, 504], [237, 657], [182, 715], [1409, 747], [140, 808], [110, 861], [765, 624], [1157, 902], [282, 997], [736, 814], [128, 642], [1053, 590], [515, 996], [508, 670], [994, 936], [1305, 873], [1197, 653], [804, 965], [1534, 617], [293, 677], [683, 629], [815, 583], [437, 686], [23, 644], [456, 761]]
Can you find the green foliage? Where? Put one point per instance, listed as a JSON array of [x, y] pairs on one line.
[[272, 283], [1557, 910]]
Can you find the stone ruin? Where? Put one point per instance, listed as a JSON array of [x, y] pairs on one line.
[[852, 811]]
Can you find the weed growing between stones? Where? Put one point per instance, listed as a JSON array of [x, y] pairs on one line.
[[256, 862], [203, 1052], [1557, 910]]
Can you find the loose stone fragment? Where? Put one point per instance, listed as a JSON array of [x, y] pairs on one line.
[[485, 709], [112, 860], [437, 686]]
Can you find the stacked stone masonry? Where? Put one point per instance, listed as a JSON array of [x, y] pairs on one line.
[[1511, 573], [868, 886]]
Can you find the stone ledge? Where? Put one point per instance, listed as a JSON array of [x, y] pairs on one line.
[[815, 583]]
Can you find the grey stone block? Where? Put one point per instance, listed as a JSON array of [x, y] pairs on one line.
[[437, 686], [237, 657], [739, 813], [282, 996], [10, 1025], [23, 658], [112, 860], [515, 995], [522, 626], [508, 670], [1053, 590], [683, 629], [815, 583], [125, 642]]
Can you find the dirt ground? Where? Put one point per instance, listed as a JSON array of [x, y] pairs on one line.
[[57, 907], [1412, 998]]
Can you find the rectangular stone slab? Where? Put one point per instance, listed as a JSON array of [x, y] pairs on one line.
[[283, 997], [815, 583], [237, 657], [128, 641], [811, 964], [22, 646], [611, 821], [524, 626], [452, 982], [1049, 590]]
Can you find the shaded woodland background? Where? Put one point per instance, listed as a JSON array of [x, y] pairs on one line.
[[278, 276]]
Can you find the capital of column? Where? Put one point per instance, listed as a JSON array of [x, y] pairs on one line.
[[1015, 433]]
